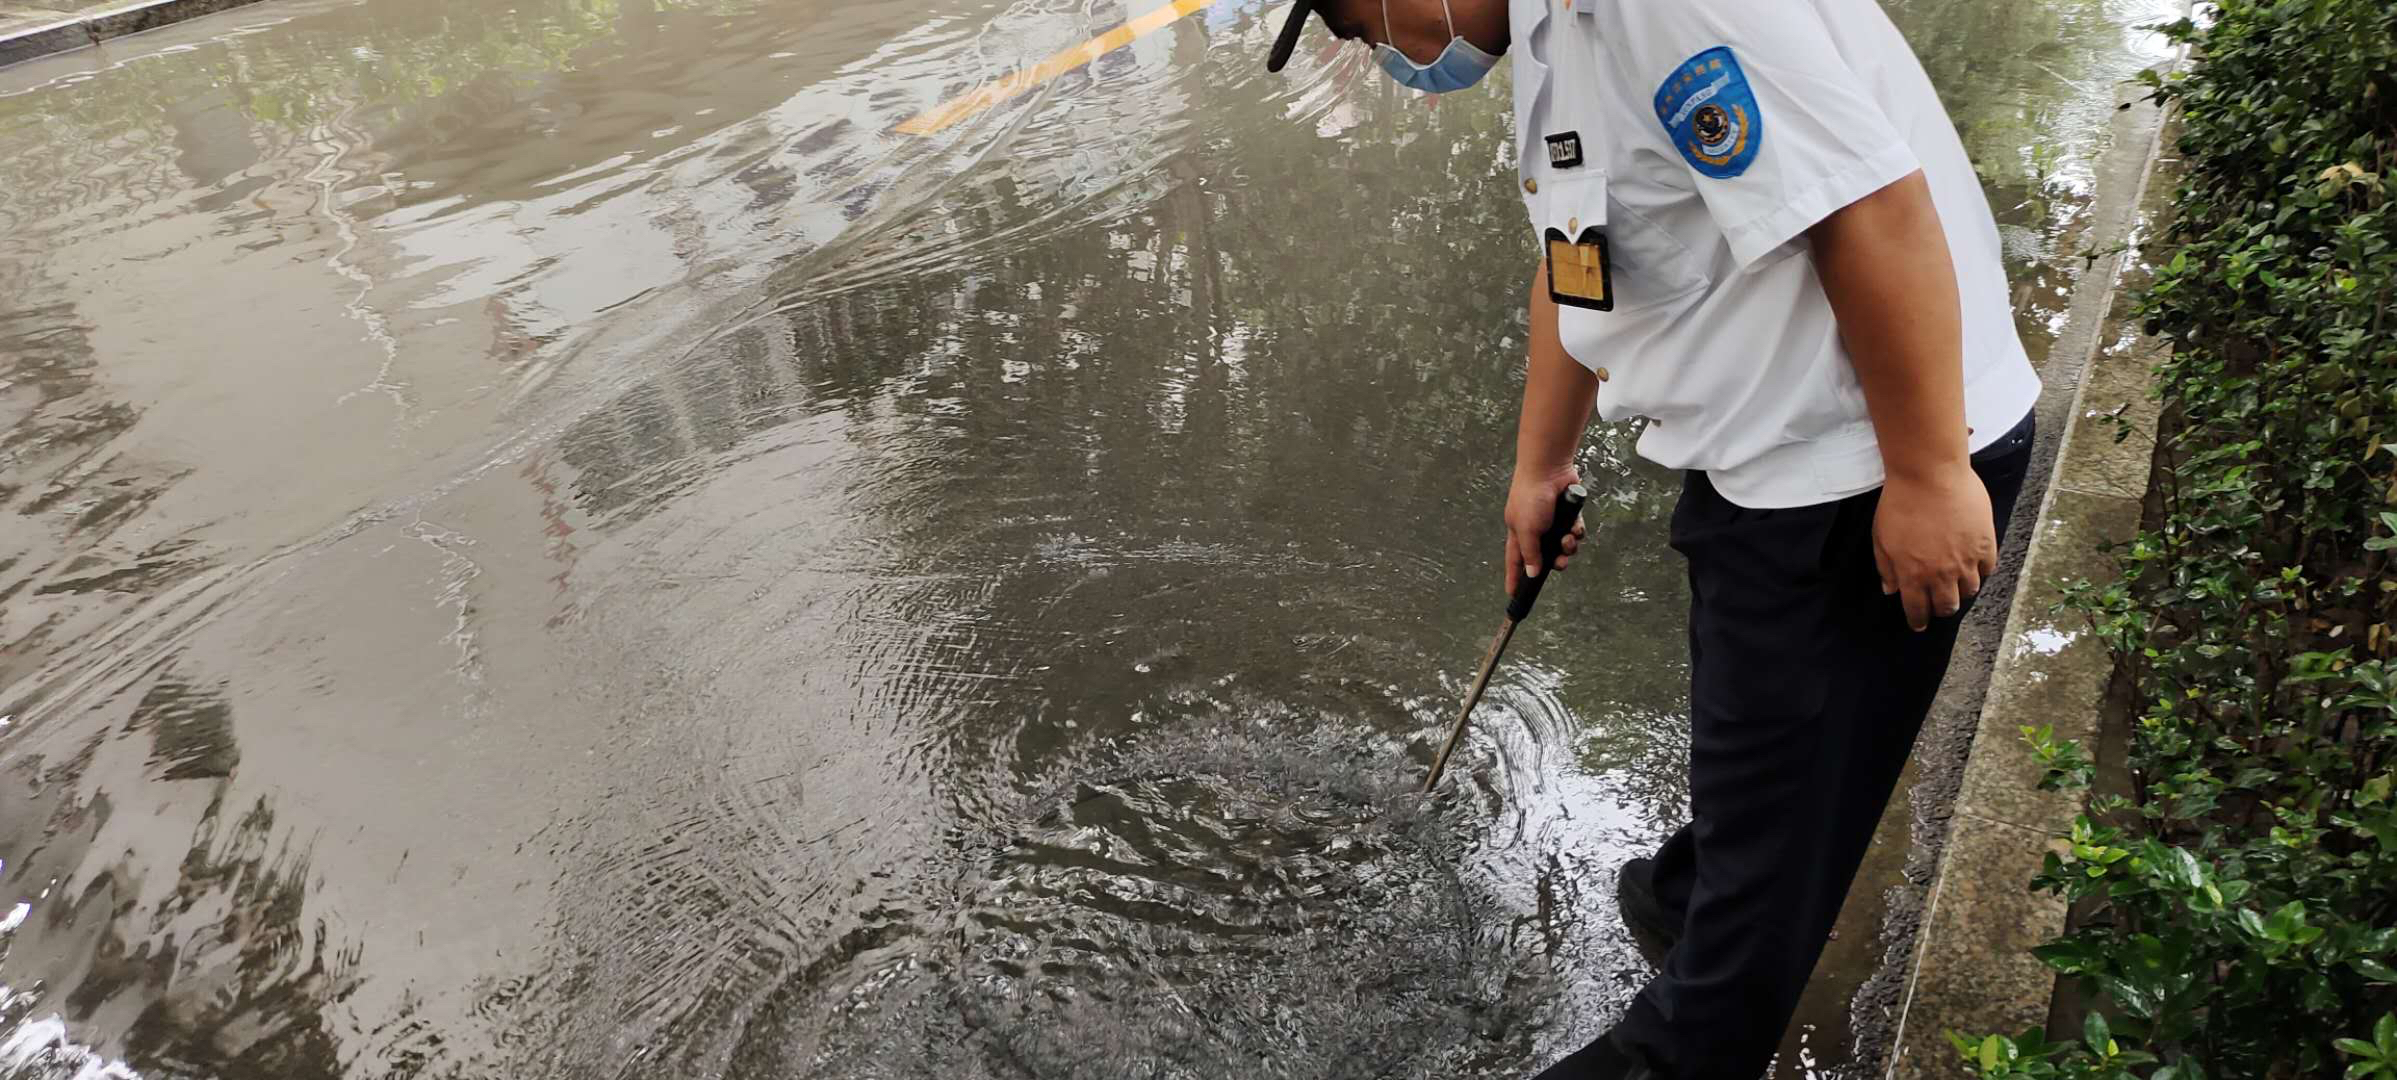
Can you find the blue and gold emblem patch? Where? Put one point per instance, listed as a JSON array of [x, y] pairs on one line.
[[1710, 113]]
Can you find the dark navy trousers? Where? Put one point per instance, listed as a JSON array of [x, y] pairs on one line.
[[1807, 690]]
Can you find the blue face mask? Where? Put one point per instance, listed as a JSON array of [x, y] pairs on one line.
[[1458, 66]]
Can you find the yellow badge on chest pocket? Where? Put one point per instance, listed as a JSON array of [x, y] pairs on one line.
[[1579, 274]]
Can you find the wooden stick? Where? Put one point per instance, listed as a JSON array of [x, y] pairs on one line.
[[1481, 681]]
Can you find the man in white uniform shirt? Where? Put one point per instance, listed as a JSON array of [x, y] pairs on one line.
[[1759, 234]]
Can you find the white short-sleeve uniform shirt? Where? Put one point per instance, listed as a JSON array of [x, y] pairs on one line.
[[1702, 138]]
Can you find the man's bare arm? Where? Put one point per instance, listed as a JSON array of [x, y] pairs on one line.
[[1557, 395], [1885, 266]]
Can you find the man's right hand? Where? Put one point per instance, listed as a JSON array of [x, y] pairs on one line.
[[1557, 395], [1530, 508]]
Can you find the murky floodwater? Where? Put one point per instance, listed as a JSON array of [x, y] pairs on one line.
[[547, 539]]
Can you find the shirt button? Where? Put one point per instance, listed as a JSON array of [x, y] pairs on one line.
[[1573, 226], [1602, 375], [1531, 187]]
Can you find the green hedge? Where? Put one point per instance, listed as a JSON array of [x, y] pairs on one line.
[[2237, 912]]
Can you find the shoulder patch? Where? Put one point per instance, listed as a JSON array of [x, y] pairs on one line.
[[1710, 113]]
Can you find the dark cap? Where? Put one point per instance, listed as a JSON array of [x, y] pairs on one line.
[[1296, 24]]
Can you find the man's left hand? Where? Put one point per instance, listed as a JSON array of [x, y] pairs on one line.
[[1934, 541]]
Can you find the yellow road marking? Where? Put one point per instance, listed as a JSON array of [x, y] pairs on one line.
[[1017, 82]]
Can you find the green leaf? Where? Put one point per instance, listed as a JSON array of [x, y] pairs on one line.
[[2385, 1033], [1989, 1052], [2375, 790], [2285, 922], [2094, 1032], [2358, 1048], [2069, 957]]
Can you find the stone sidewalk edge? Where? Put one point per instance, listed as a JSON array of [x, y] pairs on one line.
[[75, 31], [1973, 969]]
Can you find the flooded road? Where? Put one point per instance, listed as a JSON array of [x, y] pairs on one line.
[[555, 539]]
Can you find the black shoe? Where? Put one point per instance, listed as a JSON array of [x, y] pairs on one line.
[[1602, 1060], [1655, 928]]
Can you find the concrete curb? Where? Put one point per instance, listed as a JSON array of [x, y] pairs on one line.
[[1973, 970], [30, 34]]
